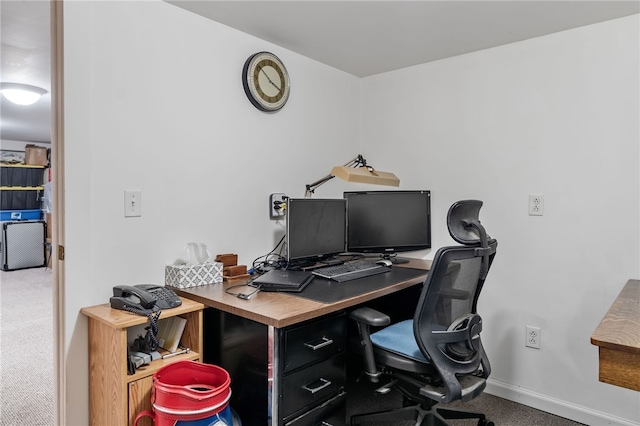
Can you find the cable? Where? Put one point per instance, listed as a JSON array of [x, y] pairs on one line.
[[270, 260], [245, 296], [260, 265], [152, 331], [150, 341]]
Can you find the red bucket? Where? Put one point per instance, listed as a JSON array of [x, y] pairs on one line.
[[187, 391]]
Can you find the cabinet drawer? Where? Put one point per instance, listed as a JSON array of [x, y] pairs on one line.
[[330, 413], [314, 341], [313, 384]]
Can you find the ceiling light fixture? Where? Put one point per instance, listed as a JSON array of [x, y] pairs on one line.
[[21, 94]]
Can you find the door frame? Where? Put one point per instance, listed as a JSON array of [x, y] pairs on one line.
[[57, 216]]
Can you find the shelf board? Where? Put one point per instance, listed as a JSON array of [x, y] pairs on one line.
[[153, 366], [24, 166], [122, 319]]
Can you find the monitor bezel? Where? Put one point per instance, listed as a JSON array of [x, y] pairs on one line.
[[384, 249], [320, 255]]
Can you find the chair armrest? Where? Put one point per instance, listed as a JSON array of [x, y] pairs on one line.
[[370, 317], [366, 318]]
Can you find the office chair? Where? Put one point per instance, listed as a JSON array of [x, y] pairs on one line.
[[436, 357]]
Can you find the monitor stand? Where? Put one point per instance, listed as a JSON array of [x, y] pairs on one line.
[[319, 263], [394, 258]]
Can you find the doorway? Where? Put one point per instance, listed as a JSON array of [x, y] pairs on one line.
[[31, 312]]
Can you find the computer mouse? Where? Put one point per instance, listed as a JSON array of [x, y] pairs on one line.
[[384, 262]]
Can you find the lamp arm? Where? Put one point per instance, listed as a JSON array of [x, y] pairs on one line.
[[358, 161]]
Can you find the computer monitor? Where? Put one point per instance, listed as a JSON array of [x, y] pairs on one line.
[[316, 229], [388, 222]]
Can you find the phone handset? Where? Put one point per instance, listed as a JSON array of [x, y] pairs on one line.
[[138, 301], [133, 299]]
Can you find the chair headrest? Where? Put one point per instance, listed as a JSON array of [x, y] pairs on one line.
[[464, 223]]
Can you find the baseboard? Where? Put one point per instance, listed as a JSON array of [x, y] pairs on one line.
[[558, 407]]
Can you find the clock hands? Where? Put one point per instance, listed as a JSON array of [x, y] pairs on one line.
[[267, 75]]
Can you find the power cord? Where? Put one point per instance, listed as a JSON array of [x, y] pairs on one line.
[[271, 260], [245, 296], [260, 265]]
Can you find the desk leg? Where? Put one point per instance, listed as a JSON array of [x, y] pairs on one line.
[[273, 383]]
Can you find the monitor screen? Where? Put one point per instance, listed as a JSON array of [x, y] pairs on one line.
[[316, 228], [387, 222]]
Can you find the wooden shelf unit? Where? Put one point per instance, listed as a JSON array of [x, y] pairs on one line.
[[115, 398]]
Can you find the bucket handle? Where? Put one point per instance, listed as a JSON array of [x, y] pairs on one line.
[[145, 413], [200, 388]]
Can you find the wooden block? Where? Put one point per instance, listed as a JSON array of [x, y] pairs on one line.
[[236, 279], [227, 259], [234, 271]]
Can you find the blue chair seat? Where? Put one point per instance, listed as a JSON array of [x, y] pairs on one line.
[[399, 339]]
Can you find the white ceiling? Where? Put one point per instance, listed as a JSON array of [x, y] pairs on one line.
[[361, 37], [25, 58], [371, 37]]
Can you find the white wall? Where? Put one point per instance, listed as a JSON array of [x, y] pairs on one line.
[[19, 145], [154, 102], [555, 115]]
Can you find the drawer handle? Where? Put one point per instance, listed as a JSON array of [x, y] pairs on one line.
[[323, 342], [323, 383]]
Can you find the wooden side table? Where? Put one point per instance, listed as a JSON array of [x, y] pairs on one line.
[[618, 339], [115, 397]]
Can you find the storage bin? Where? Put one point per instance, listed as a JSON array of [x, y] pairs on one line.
[[21, 176], [6, 215], [189, 392], [20, 199], [23, 245]]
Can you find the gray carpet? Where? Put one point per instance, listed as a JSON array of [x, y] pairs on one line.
[[363, 399], [26, 347]]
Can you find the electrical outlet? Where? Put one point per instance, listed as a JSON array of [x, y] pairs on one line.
[[277, 205], [536, 205], [532, 337]]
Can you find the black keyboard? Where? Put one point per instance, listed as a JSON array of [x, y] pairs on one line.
[[351, 270]]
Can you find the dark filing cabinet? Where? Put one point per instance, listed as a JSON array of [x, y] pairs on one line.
[[313, 372], [291, 376]]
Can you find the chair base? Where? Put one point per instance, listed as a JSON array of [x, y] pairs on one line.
[[423, 416]]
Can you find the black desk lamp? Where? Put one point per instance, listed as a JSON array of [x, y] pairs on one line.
[[355, 170]]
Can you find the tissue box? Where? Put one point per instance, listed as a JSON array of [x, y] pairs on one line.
[[183, 276]]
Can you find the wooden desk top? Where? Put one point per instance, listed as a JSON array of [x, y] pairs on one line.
[[282, 309], [620, 327]]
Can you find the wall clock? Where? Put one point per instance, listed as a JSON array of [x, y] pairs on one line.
[[266, 81]]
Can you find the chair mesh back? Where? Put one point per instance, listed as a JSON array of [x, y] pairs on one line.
[[457, 291], [446, 324]]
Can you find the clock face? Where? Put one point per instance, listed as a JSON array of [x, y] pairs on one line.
[[266, 81]]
